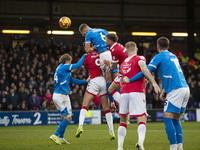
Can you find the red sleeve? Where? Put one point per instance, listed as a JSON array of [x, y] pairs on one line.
[[141, 58], [115, 56], [85, 61]]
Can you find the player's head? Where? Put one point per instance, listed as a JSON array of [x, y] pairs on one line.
[[131, 48], [65, 58], [83, 29], [111, 38], [162, 44]]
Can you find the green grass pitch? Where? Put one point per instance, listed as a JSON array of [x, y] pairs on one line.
[[94, 137]]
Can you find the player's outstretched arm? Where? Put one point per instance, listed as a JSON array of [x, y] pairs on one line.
[[77, 65], [148, 75], [76, 81], [140, 75]]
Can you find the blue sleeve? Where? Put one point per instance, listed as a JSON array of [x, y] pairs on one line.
[[88, 38], [105, 31], [140, 75], [155, 61], [76, 81], [74, 66]]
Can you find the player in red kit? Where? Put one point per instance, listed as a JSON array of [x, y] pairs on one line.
[[133, 100], [96, 85], [118, 56]]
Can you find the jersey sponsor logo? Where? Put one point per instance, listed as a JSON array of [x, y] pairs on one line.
[[126, 68], [95, 56]]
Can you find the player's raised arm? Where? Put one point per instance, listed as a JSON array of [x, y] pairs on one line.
[[66, 60]]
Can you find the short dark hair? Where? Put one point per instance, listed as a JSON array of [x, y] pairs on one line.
[[112, 36], [64, 58], [82, 27], [163, 43]]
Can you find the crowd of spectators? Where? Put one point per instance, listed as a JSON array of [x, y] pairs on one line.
[[26, 76]]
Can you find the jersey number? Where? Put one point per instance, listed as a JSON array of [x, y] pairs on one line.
[[103, 37], [97, 62], [176, 64], [56, 78]]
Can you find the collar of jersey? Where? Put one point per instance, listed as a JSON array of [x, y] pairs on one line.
[[113, 45], [165, 51], [127, 59]]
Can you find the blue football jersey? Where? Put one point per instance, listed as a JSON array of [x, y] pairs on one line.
[[97, 37], [169, 70], [62, 77]]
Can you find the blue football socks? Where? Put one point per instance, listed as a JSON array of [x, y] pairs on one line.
[[170, 130], [61, 128], [109, 96], [179, 132]]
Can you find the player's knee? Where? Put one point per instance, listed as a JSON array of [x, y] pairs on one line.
[[67, 117], [123, 119], [110, 89]]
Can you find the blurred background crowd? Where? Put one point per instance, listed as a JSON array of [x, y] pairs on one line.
[[26, 76]]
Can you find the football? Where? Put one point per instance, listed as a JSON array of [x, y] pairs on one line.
[[65, 22]]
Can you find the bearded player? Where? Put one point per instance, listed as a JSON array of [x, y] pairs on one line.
[[97, 85], [176, 89]]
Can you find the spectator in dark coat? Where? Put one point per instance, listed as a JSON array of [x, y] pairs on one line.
[[3, 100], [33, 101], [12, 100], [23, 96]]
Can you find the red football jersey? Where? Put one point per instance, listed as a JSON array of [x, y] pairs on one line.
[[118, 53], [92, 63], [130, 68]]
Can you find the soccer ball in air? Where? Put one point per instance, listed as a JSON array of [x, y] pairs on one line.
[[65, 22]]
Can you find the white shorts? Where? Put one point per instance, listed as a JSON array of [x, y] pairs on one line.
[[176, 100], [104, 56], [117, 79], [97, 86], [133, 103], [62, 103]]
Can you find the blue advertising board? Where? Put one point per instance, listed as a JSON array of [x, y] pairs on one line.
[[34, 118]]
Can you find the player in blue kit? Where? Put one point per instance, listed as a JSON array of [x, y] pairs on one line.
[[62, 79], [97, 37], [176, 88]]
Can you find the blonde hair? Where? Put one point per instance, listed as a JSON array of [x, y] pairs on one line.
[[64, 58], [131, 46]]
